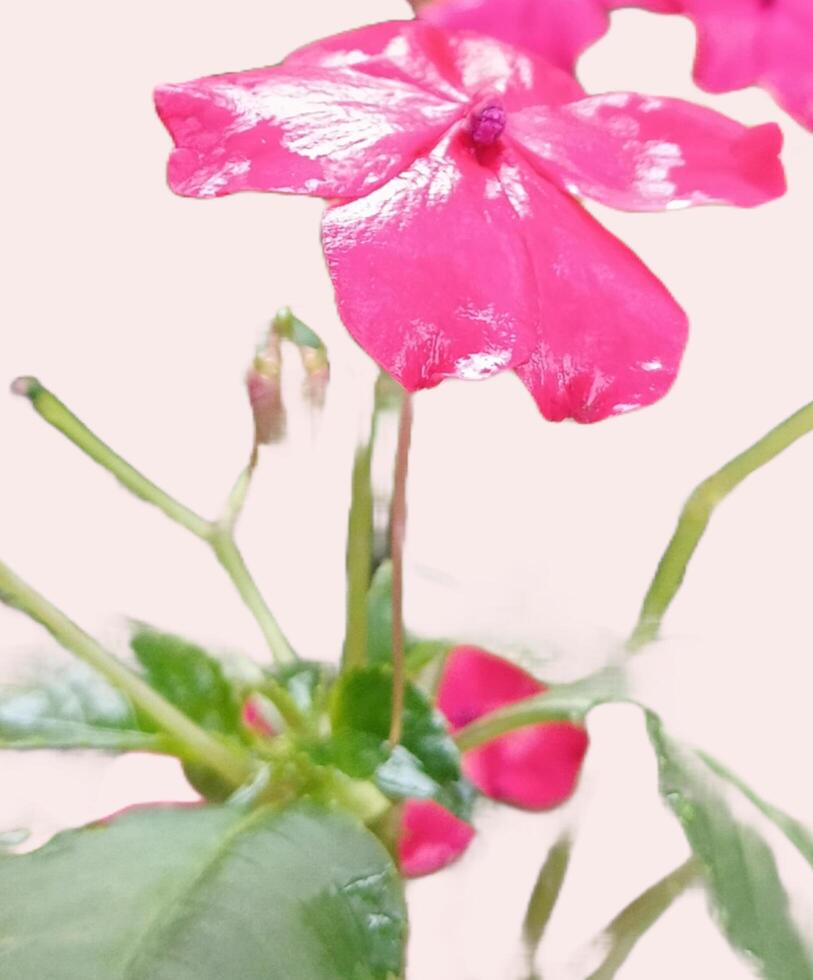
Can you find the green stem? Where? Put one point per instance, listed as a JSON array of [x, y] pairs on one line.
[[629, 925], [219, 535], [61, 418], [230, 557], [544, 897], [397, 535], [555, 704], [197, 744], [695, 517], [359, 556]]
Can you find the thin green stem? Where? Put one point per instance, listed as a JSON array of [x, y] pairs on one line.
[[397, 535], [555, 704], [695, 517], [230, 557], [544, 897], [217, 534], [359, 556], [61, 418], [197, 744], [631, 923]]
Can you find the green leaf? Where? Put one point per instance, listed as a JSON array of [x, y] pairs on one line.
[[192, 679], [425, 765], [71, 708], [795, 831], [743, 881], [205, 893]]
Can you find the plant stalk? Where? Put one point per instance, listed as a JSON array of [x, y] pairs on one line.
[[397, 535], [217, 534], [197, 744], [631, 923], [695, 516]]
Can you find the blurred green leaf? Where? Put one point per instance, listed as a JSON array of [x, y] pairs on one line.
[[426, 764], [795, 831], [192, 679], [740, 870], [71, 707], [205, 893]]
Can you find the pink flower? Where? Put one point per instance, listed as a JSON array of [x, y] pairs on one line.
[[454, 246], [559, 30], [536, 767], [430, 837], [756, 42]]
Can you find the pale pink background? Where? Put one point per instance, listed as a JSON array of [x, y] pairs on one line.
[[141, 309]]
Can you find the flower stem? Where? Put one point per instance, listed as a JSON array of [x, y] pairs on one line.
[[231, 558], [359, 556], [695, 516], [397, 533], [555, 704], [230, 764], [544, 897], [218, 534], [631, 923]]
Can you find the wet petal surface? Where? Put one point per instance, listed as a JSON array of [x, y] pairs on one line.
[[643, 153]]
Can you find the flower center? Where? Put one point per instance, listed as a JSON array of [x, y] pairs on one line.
[[486, 121]]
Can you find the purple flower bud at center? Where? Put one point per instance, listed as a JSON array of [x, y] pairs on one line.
[[486, 122]]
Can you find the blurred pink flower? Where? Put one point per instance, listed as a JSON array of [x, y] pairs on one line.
[[452, 240], [536, 767], [559, 30], [430, 837], [756, 42]]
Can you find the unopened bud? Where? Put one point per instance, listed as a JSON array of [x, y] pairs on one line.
[[264, 386]]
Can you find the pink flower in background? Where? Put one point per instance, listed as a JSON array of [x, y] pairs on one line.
[[453, 242], [757, 42], [536, 767], [559, 30], [430, 838]]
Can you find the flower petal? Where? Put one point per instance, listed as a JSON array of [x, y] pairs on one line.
[[787, 65], [535, 767], [612, 336], [558, 30], [447, 63], [403, 50], [645, 154], [431, 837], [475, 682], [430, 274], [330, 133], [728, 43]]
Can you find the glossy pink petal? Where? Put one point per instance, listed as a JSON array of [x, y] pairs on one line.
[[643, 153], [407, 51], [559, 30], [476, 682], [522, 78], [611, 335], [431, 837], [431, 277], [329, 133], [535, 767]]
